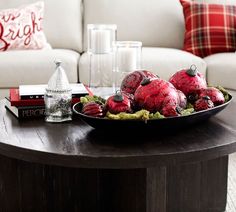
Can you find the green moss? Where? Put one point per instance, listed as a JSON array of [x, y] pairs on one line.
[[139, 115], [187, 112], [83, 100], [224, 92], [97, 99], [156, 115], [189, 106]]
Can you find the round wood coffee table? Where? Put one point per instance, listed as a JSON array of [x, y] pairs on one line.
[[71, 167]]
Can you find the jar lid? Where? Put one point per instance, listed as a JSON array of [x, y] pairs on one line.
[[58, 81]]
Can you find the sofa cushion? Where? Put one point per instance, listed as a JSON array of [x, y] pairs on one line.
[[165, 62], [35, 66], [162, 61], [210, 28], [156, 23], [62, 21], [221, 70]]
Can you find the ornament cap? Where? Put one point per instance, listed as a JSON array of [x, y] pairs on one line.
[[118, 97], [192, 97], [178, 109], [192, 71], [58, 62], [206, 98], [145, 81]]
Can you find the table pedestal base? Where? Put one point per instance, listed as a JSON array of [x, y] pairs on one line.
[[197, 187]]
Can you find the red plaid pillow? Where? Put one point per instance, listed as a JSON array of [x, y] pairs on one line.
[[210, 28]]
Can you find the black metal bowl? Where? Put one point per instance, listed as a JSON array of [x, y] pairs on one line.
[[158, 124]]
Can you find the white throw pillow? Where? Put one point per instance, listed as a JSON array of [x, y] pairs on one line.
[[21, 28]]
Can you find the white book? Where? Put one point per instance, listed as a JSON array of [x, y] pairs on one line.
[[38, 91]]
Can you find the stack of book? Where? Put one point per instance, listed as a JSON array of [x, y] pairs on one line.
[[27, 101]]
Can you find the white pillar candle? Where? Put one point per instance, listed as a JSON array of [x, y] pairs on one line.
[[126, 58], [100, 41]]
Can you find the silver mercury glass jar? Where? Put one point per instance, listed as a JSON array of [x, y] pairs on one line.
[[58, 97]]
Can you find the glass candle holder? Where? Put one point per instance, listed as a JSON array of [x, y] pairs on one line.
[[100, 50], [127, 59], [101, 38]]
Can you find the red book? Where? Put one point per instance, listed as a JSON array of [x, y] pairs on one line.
[[16, 101], [25, 112]]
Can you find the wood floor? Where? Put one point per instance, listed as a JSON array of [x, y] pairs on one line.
[[231, 205]]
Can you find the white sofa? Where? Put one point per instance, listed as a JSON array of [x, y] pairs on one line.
[[158, 24]]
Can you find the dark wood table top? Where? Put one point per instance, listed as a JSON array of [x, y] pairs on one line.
[[76, 144]]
